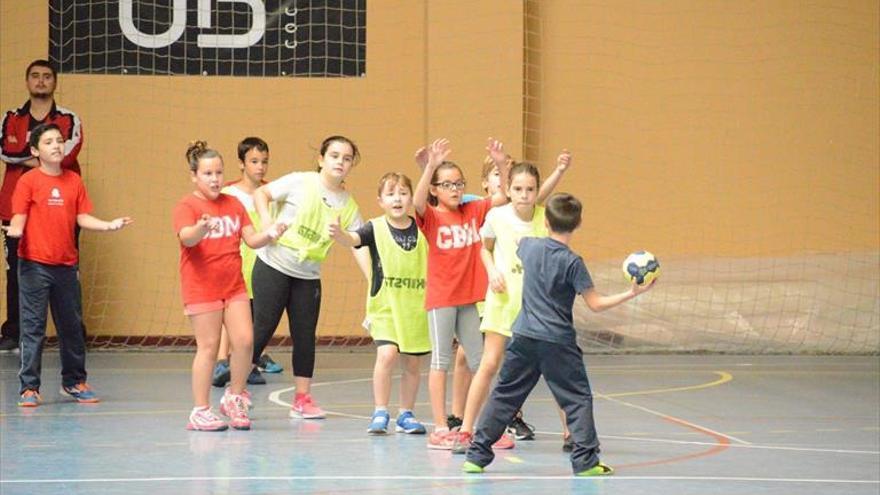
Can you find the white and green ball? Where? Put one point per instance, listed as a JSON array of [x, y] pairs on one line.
[[641, 267]]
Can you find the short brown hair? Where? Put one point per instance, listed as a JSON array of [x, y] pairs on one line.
[[40, 63], [563, 213], [251, 143]]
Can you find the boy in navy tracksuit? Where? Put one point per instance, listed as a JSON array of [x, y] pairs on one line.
[[544, 342]]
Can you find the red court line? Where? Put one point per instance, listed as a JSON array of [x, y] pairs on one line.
[[722, 444]]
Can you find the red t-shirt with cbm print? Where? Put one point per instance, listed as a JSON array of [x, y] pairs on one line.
[[211, 270], [456, 275]]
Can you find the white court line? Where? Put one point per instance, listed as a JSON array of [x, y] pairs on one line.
[[663, 415], [472, 478]]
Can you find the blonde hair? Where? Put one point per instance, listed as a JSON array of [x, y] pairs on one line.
[[395, 178], [489, 166]]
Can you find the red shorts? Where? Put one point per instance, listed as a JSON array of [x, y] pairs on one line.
[[208, 307]]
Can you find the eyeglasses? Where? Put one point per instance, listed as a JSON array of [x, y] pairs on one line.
[[450, 186]]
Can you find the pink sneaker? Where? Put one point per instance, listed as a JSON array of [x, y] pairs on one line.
[[442, 439], [246, 396], [462, 442], [305, 408], [235, 408], [504, 443], [204, 419]]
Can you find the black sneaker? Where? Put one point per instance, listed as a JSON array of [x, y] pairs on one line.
[[520, 429], [453, 421], [256, 378], [567, 444], [8, 344]]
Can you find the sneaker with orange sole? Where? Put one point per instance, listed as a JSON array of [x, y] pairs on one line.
[[81, 392], [29, 398]]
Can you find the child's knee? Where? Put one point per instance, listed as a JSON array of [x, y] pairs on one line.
[[411, 364], [385, 358], [208, 345], [242, 341]]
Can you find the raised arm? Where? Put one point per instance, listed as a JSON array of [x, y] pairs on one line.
[[436, 153], [563, 161], [599, 302], [495, 149], [88, 222]]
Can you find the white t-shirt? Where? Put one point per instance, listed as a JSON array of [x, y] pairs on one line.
[[287, 193], [505, 215], [246, 199]]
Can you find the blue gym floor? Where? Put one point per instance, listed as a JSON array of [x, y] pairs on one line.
[[668, 424]]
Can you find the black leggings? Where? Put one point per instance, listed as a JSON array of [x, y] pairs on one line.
[[273, 293]]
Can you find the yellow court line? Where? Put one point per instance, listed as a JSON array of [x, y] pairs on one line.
[[725, 377]]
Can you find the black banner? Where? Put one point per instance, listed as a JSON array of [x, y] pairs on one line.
[[311, 38]]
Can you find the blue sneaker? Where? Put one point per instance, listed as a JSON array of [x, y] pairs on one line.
[[407, 423], [29, 398], [267, 365], [255, 377], [379, 423], [222, 375], [81, 392]]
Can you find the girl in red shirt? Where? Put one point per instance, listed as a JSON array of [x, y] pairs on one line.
[[456, 276], [210, 227]]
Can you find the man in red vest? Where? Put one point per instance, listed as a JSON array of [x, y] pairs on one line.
[[15, 153]]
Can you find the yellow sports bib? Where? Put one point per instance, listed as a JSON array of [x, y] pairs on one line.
[[396, 313]]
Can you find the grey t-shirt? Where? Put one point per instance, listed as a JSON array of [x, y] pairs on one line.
[[552, 276], [288, 191]]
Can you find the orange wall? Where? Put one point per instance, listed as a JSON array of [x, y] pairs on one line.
[[698, 128], [137, 128], [709, 128]]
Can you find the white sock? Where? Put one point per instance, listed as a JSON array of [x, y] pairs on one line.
[[401, 412]]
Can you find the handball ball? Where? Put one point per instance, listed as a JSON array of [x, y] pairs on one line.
[[641, 267]]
